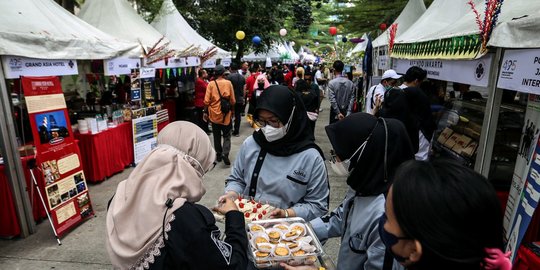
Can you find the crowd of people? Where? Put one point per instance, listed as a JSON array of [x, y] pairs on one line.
[[401, 210]]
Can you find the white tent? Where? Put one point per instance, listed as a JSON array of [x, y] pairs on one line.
[[290, 50], [273, 54], [440, 15], [118, 18], [412, 11], [43, 29], [172, 24], [521, 32], [360, 47]]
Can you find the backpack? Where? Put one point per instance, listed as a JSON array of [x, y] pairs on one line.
[[225, 103]]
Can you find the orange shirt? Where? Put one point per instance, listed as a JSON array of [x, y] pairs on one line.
[[211, 99]]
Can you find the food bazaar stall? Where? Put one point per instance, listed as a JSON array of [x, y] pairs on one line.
[[488, 135], [48, 44]]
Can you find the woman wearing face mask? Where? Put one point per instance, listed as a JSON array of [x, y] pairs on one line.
[[280, 163], [443, 215], [368, 150], [153, 221]]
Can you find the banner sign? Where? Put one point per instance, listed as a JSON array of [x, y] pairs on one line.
[[120, 66], [226, 62], [147, 84], [176, 62], [58, 156], [520, 71], [144, 136], [524, 191], [210, 63], [16, 66], [135, 77], [473, 72], [383, 62]]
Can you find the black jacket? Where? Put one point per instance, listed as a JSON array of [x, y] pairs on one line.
[[194, 241]]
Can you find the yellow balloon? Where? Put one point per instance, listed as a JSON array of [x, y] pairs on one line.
[[240, 35]]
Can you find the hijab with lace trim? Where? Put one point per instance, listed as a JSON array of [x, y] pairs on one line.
[[173, 171]]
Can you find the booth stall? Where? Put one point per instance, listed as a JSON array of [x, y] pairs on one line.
[[40, 38], [485, 127]]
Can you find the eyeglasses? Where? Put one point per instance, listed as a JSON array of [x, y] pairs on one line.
[[272, 122]]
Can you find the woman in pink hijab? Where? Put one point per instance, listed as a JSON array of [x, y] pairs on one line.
[[153, 221]]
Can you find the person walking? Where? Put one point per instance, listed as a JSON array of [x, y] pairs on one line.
[[219, 105], [340, 94], [376, 92], [200, 92], [238, 81]]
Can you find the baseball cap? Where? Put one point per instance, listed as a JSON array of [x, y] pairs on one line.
[[390, 74], [219, 70]]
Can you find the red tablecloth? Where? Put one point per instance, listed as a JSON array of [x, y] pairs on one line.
[[526, 259], [9, 225], [160, 126], [107, 152], [170, 105]]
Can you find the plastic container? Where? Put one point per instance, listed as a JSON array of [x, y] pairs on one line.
[[295, 255]]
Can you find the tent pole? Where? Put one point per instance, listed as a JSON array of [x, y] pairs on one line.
[[491, 118], [12, 161]]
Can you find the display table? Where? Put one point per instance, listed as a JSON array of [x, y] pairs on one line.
[[106, 153], [9, 225]]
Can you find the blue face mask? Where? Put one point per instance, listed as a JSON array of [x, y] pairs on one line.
[[389, 239]]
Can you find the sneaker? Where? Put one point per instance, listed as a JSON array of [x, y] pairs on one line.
[[236, 134], [218, 158], [226, 160]]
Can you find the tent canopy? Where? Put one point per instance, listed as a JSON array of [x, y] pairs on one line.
[[274, 53], [520, 31], [43, 29], [172, 24], [412, 11], [118, 18], [360, 47]]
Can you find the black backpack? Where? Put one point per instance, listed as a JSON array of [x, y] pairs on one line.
[[225, 103]]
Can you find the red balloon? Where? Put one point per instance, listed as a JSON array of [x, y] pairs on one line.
[[382, 26], [332, 30]]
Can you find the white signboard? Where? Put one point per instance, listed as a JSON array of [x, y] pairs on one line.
[[473, 72], [383, 62], [148, 73], [520, 71], [210, 63], [120, 66], [16, 66], [226, 62], [144, 136], [175, 62]]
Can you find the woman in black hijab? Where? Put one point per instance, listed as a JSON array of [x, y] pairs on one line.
[[280, 163], [367, 151]]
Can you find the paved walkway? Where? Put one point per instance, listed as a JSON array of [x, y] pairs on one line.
[[84, 247]]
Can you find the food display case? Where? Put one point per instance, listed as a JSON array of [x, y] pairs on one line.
[[458, 135]]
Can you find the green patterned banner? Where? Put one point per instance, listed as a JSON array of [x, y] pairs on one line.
[[464, 47]]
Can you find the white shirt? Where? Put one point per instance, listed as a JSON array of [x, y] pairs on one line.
[[371, 97], [318, 74]]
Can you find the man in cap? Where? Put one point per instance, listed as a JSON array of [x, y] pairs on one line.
[[388, 81], [220, 118]]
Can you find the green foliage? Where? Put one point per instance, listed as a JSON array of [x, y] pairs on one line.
[[302, 15]]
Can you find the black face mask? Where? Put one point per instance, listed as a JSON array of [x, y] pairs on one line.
[[261, 85], [389, 239]]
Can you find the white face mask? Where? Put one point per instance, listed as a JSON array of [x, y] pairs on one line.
[[273, 134], [342, 168]]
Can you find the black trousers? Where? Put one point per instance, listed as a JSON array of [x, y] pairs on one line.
[[238, 109], [219, 131], [199, 120]]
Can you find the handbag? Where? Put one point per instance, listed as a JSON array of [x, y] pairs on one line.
[[225, 103]]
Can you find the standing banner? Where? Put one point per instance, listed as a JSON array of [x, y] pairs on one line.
[[147, 85], [58, 155], [523, 195], [144, 136], [135, 84]]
